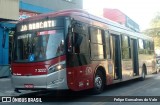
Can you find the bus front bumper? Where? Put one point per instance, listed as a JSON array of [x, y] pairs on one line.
[[54, 81]]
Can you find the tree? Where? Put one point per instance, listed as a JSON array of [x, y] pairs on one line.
[[155, 22], [154, 31]]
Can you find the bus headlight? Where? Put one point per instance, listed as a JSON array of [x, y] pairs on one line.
[[57, 67]]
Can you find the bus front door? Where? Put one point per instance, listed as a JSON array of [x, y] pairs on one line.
[[134, 56], [116, 56]]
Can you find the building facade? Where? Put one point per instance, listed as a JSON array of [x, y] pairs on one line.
[[118, 16], [9, 11], [57, 5], [7, 15]]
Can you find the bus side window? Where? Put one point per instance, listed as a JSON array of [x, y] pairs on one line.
[[77, 42], [80, 43], [152, 48], [141, 45], [97, 43], [147, 47], [108, 48], [125, 47], [80, 37]]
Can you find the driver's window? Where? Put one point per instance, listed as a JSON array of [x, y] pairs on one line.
[[80, 43], [80, 37]]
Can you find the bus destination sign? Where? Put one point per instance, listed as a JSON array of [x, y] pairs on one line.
[[38, 25]]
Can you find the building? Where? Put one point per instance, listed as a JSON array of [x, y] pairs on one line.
[[30, 8], [19, 10], [10, 13], [6, 16], [118, 16], [57, 5]]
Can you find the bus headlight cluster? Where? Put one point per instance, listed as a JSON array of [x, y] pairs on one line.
[[57, 67]]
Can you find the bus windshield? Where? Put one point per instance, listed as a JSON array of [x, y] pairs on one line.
[[39, 46]]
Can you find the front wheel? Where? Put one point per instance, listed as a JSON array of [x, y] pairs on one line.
[[98, 83]]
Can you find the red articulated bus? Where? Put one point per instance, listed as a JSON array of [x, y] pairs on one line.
[[75, 50]]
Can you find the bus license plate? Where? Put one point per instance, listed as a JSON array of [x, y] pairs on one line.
[[28, 85]]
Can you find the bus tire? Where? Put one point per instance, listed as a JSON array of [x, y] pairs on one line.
[[156, 72], [98, 83], [143, 74]]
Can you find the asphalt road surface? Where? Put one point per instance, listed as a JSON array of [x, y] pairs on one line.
[[132, 90]]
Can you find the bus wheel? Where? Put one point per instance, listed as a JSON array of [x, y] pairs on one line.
[[98, 83], [143, 75]]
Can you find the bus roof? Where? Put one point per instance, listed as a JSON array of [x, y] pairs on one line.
[[112, 26]]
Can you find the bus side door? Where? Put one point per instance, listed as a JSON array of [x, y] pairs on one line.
[[116, 56]]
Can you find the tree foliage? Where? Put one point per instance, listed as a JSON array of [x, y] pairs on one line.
[[154, 31], [155, 22]]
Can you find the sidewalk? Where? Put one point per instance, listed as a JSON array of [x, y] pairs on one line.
[[6, 88]]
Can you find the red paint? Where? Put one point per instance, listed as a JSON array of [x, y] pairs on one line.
[[37, 68], [115, 15], [46, 32], [78, 75]]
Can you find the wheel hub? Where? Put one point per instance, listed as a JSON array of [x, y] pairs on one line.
[[98, 82]]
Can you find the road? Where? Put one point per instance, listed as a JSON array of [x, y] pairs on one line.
[[149, 87]]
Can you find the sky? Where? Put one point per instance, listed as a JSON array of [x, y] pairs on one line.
[[141, 11]]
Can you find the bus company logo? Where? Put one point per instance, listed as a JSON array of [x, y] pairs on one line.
[[88, 70], [6, 99]]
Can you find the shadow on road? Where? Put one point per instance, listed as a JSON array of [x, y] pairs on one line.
[[124, 84], [61, 96], [70, 96]]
